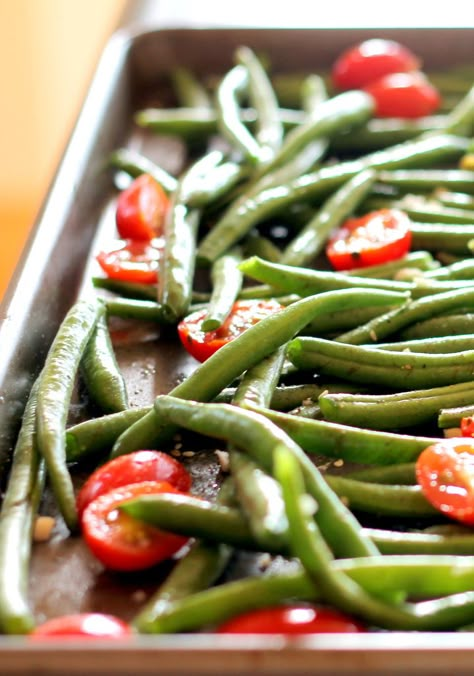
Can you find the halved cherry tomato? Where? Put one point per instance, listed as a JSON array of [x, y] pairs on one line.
[[467, 426], [83, 625], [293, 619], [405, 95], [245, 313], [132, 260], [445, 472], [369, 60], [133, 468], [121, 542], [141, 209], [377, 237]]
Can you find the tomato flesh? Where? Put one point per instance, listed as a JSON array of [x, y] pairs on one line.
[[83, 625], [293, 619], [467, 426], [141, 209], [132, 260], [201, 345], [370, 60], [131, 469], [121, 542], [377, 237], [445, 472], [405, 95]]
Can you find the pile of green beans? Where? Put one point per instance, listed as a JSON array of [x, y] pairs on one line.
[[366, 367]]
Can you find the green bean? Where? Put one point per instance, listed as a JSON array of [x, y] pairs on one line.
[[135, 164], [286, 397], [349, 443], [460, 120], [442, 236], [382, 499], [403, 409], [407, 315], [454, 199], [145, 310], [433, 345], [420, 209], [420, 260], [127, 289], [445, 325], [189, 91], [98, 435], [396, 542], [381, 133], [257, 245], [258, 437], [240, 354], [54, 393], [428, 179], [463, 269], [451, 416], [238, 220], [340, 112], [215, 184], [20, 502], [310, 241], [195, 572], [101, 373], [269, 130], [177, 264], [343, 320], [226, 281], [197, 123], [233, 86], [402, 474], [404, 370]]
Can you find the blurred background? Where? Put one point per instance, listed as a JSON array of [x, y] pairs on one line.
[[49, 50], [48, 53]]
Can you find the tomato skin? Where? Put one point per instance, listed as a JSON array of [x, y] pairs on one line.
[[141, 209], [377, 237], [131, 469], [132, 260], [467, 426], [370, 60], [83, 625], [445, 472], [121, 542], [244, 314], [405, 95], [293, 619]]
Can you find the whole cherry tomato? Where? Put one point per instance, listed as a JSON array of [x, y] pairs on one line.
[[132, 260], [292, 619], [83, 625], [405, 95], [131, 469], [121, 542], [141, 209], [445, 472], [369, 60], [377, 237], [201, 345]]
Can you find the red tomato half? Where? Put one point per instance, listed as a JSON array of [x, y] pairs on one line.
[[377, 237], [132, 260], [406, 95], [295, 619], [121, 542], [370, 60], [83, 625], [445, 472], [133, 468], [245, 313], [141, 209]]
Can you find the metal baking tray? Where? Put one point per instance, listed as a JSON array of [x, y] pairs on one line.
[[55, 269]]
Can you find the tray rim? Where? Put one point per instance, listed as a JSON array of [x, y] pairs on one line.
[[270, 654]]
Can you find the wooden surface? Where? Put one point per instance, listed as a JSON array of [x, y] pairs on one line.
[[48, 53]]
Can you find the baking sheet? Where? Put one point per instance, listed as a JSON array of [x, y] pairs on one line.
[[77, 216]]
